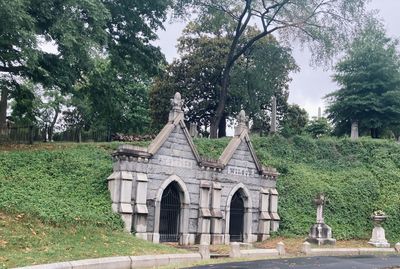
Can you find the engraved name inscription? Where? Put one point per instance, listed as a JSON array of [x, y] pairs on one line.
[[175, 161], [247, 172]]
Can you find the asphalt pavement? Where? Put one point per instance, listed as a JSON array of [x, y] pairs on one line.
[[353, 262]]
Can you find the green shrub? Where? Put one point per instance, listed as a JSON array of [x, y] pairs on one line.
[[61, 187], [358, 177]]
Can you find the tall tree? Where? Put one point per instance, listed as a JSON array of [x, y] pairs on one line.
[[294, 121], [325, 25], [119, 30], [369, 77], [260, 74]]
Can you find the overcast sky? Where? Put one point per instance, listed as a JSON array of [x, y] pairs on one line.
[[309, 85]]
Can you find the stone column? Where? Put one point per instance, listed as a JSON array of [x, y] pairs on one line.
[[273, 115], [354, 130], [264, 224], [319, 113], [141, 211], [204, 213], [120, 187], [184, 223], [273, 210], [217, 236]]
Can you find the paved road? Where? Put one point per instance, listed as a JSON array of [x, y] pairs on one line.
[[355, 262]]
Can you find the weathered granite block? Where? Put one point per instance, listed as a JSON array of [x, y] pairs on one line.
[[187, 197]]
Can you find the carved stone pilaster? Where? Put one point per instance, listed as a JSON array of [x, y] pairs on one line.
[[141, 211], [120, 187], [203, 230], [273, 210], [217, 236], [264, 224]]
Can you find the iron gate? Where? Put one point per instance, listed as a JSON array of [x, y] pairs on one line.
[[236, 218], [169, 214]]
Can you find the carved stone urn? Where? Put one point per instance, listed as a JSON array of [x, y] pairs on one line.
[[378, 238]]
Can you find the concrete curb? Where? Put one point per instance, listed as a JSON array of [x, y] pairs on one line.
[[255, 253], [346, 251], [126, 262]]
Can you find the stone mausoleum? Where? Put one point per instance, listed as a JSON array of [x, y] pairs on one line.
[[168, 193]]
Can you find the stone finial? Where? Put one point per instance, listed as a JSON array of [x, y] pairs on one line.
[[176, 103], [242, 120]]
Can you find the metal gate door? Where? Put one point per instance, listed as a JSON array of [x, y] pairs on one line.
[[169, 214], [236, 218]]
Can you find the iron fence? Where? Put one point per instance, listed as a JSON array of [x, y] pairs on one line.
[[30, 134]]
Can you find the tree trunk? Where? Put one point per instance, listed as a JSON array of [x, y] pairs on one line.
[[3, 108], [221, 104], [51, 127], [374, 133], [222, 127]]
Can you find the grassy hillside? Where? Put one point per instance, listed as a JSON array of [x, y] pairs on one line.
[[54, 202], [55, 206], [358, 178]]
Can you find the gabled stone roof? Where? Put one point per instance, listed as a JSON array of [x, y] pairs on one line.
[[176, 119]]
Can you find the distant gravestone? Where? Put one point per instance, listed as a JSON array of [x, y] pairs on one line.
[[273, 115], [320, 233], [193, 130], [354, 130]]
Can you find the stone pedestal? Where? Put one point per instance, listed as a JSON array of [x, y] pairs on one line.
[[378, 238], [204, 250], [234, 251], [321, 234]]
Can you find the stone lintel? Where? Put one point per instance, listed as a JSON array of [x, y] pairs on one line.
[[216, 213], [274, 216], [264, 190], [205, 213], [125, 208], [216, 186], [205, 184], [131, 151], [273, 192], [266, 216], [212, 164], [269, 171], [114, 175], [141, 209], [126, 175], [141, 177]]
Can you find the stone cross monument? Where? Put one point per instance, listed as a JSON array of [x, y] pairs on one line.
[[273, 115], [320, 233]]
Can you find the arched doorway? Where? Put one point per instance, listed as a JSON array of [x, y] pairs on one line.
[[236, 224], [170, 214]]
